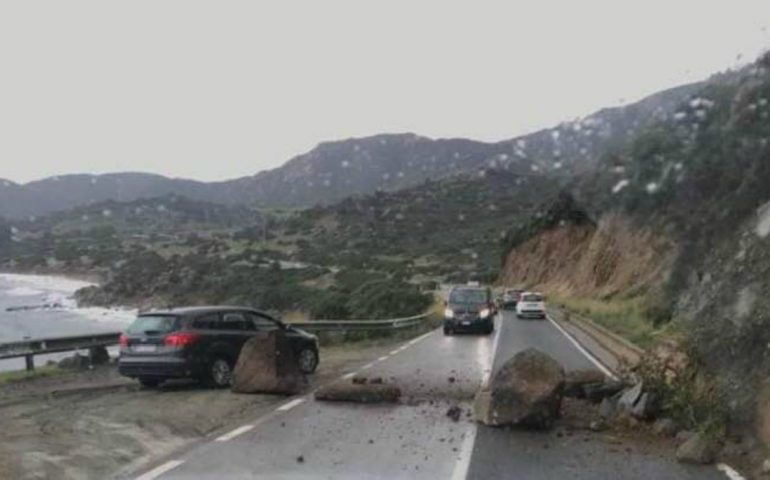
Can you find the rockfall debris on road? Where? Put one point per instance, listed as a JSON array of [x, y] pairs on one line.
[[360, 390], [267, 364], [526, 391]]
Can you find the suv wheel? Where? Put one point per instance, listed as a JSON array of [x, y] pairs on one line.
[[308, 360], [220, 373]]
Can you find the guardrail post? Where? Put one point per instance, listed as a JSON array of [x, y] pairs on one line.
[[30, 361]]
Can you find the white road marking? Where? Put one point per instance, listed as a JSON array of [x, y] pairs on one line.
[[582, 350], [384, 357], [729, 471], [234, 433], [393, 352], [160, 470], [421, 337], [367, 366], [348, 375], [460, 470], [289, 405], [488, 370]]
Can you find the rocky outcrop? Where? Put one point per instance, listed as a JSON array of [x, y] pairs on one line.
[[526, 391], [267, 364]]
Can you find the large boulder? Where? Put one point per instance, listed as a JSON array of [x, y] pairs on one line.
[[526, 391], [267, 364]]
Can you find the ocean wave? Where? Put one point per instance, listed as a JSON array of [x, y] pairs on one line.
[[116, 316], [22, 292], [45, 283]]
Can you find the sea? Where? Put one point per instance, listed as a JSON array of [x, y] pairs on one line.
[[42, 306]]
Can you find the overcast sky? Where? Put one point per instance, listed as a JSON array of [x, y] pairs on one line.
[[219, 89]]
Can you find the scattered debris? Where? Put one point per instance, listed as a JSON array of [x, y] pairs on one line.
[[664, 427], [698, 449], [300, 459], [608, 408], [575, 380], [74, 362], [358, 392], [629, 397], [597, 425], [454, 413], [596, 392]]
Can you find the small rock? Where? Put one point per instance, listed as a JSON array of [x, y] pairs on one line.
[[75, 362], [629, 397], [664, 427], [454, 413], [698, 449], [99, 355], [596, 392], [646, 407], [451, 379], [376, 381], [300, 459], [575, 380], [597, 426], [607, 408], [359, 380]]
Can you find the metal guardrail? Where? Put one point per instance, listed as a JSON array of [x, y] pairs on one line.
[[29, 348], [39, 346], [359, 325]]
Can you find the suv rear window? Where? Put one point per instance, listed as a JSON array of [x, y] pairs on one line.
[[156, 324], [467, 295], [532, 298]]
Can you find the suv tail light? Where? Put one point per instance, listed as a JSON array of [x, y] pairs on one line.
[[123, 340], [181, 339]]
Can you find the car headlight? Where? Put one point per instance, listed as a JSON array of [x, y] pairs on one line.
[[448, 313], [484, 313]]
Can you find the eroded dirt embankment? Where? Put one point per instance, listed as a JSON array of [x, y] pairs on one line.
[[717, 290], [615, 257]]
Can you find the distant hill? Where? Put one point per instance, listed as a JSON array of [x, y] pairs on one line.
[[335, 170]]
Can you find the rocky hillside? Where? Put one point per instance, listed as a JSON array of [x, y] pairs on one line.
[[679, 224], [335, 170], [448, 229]]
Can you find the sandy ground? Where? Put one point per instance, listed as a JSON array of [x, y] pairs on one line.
[[96, 424]]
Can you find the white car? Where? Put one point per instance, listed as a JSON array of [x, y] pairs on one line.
[[531, 305]]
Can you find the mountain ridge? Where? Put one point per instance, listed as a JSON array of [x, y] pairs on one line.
[[334, 170]]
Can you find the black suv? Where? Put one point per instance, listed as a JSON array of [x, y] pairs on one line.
[[200, 342], [469, 308]]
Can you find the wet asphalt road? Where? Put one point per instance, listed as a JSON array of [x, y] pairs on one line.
[[416, 439]]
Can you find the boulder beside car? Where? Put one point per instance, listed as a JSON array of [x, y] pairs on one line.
[[267, 364]]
